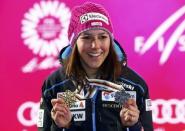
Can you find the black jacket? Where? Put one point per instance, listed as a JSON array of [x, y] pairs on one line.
[[106, 111]]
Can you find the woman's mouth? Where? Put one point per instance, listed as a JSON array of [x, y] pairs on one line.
[[95, 54]]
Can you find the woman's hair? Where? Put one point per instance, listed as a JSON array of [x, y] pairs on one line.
[[110, 69]]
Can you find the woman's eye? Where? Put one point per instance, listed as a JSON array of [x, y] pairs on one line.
[[103, 37], [86, 37]]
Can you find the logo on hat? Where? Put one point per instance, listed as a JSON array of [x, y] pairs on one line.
[[93, 16]]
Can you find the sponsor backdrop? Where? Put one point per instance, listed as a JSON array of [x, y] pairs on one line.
[[152, 32]]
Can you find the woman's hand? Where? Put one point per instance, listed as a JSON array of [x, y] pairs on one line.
[[129, 113], [60, 113]]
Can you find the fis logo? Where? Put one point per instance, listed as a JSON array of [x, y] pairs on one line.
[[166, 47]]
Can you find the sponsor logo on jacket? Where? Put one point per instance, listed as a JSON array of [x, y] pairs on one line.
[[78, 105], [78, 115]]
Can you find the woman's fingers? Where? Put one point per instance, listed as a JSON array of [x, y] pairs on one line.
[[132, 107], [60, 113], [59, 107], [129, 113], [59, 100], [133, 110], [124, 114], [130, 102]]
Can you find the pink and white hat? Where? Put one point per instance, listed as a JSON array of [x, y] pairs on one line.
[[88, 16]]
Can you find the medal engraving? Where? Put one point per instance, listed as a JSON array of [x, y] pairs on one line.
[[121, 97], [69, 97]]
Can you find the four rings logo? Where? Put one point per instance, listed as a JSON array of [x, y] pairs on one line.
[[168, 111], [177, 37], [164, 111], [28, 106], [44, 31]]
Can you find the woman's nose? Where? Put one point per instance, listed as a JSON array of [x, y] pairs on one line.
[[95, 44]]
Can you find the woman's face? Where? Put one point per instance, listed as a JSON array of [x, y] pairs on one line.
[[93, 48]]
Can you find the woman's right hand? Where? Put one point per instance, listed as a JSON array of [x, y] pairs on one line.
[[60, 113]]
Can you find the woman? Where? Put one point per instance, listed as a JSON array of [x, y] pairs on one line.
[[93, 56]]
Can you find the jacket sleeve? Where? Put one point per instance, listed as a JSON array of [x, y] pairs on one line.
[[146, 113], [45, 122], [44, 119], [145, 104]]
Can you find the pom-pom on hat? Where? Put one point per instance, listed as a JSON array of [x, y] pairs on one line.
[[88, 16]]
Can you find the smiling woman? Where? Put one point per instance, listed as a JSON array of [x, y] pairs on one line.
[[92, 70], [93, 48]]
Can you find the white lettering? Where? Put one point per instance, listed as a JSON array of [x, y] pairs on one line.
[[164, 111], [157, 36], [33, 113], [172, 111], [138, 44], [34, 65], [40, 119], [79, 115], [182, 43], [93, 16]]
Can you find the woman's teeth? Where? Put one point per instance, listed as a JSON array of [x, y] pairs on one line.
[[94, 54]]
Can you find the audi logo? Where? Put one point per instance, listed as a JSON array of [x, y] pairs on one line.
[[170, 111], [34, 107]]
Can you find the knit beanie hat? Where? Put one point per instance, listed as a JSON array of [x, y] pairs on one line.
[[88, 16]]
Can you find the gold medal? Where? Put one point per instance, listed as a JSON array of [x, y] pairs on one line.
[[69, 97]]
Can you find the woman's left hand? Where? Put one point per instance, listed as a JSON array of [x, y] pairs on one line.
[[129, 113]]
